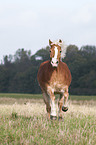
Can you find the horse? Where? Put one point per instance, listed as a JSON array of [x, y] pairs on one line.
[[54, 77]]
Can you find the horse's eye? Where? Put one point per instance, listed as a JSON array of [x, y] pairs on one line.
[[60, 51], [50, 50]]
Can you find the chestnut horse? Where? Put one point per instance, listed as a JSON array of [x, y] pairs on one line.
[[54, 77]]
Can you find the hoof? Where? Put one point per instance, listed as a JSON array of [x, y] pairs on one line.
[[53, 117], [64, 109]]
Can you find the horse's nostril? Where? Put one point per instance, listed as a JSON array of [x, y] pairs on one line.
[[56, 62]]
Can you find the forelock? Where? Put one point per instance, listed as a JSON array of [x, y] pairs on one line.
[[56, 42]]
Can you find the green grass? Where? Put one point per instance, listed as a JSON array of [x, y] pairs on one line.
[[41, 131], [18, 96], [23, 121], [39, 96], [76, 129], [79, 98]]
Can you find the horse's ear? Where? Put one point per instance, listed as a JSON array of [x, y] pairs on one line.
[[60, 40], [50, 42]]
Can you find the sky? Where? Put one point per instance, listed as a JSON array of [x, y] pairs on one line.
[[29, 24]]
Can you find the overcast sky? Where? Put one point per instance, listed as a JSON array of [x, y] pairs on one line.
[[30, 23]]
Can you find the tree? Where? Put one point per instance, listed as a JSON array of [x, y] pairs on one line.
[[22, 55], [43, 53], [18, 74]]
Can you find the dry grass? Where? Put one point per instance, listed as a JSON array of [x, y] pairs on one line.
[[24, 122]]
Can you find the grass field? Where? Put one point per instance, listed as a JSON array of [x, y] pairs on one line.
[[23, 121]]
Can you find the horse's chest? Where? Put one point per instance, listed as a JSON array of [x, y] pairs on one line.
[[55, 83], [56, 87]]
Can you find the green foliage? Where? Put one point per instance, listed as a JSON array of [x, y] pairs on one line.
[[82, 64], [44, 53], [18, 74]]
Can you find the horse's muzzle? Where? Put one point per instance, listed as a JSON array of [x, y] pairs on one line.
[[54, 62]]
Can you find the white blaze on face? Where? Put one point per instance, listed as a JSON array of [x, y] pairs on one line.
[[54, 59], [56, 52]]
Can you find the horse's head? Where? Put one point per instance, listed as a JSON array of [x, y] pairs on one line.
[[55, 52]]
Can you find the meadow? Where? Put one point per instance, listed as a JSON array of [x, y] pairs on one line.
[[23, 121]]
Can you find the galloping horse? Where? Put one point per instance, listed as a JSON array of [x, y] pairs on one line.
[[54, 77]]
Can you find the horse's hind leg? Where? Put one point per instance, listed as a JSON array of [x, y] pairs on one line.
[[47, 102]]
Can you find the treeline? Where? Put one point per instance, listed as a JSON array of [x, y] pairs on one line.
[[18, 72]]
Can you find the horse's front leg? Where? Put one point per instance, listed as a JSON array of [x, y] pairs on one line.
[[60, 104], [52, 104], [66, 95], [53, 108]]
